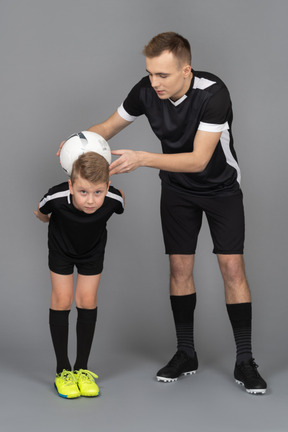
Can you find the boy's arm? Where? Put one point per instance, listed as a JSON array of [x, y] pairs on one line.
[[43, 217], [123, 196]]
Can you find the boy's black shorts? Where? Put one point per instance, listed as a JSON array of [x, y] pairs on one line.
[[181, 215], [64, 265]]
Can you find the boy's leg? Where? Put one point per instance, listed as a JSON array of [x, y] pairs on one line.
[[62, 291], [86, 302], [61, 301]]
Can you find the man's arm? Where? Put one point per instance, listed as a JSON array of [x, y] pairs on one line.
[[110, 127], [196, 161]]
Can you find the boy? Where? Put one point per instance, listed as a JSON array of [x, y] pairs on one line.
[[77, 212]]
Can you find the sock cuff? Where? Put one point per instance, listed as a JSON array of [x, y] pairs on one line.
[[87, 315], [239, 311], [58, 317], [183, 307]]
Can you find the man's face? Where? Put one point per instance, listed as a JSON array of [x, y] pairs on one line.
[[168, 77]]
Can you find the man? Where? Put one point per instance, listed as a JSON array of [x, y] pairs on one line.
[[191, 114]]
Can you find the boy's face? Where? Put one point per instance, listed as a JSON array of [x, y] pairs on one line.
[[168, 78], [88, 197]]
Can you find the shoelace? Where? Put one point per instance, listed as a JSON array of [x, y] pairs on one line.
[[67, 377], [86, 375], [250, 369], [177, 359]]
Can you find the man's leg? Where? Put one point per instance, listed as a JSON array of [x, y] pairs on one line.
[[238, 303], [183, 302]]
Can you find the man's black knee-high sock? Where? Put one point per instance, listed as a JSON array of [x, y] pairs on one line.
[[59, 325], [240, 315], [85, 328], [183, 312]]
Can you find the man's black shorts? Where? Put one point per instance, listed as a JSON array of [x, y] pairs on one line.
[[181, 215], [62, 264]]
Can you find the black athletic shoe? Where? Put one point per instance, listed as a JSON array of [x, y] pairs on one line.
[[246, 374], [180, 364]]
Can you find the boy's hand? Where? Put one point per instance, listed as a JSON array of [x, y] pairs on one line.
[[59, 150], [41, 216]]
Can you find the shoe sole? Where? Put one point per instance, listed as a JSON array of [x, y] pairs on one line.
[[66, 396], [163, 379], [251, 391], [90, 395]]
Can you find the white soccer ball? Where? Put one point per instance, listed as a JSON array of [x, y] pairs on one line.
[[80, 143]]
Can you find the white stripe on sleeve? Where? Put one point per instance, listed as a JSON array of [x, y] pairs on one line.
[[116, 197], [55, 196], [123, 113], [210, 127]]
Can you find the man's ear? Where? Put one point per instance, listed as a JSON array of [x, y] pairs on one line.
[[186, 70]]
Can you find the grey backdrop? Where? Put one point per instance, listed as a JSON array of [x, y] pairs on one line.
[[66, 65]]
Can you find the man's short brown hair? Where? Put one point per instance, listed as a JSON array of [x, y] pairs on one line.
[[172, 42], [92, 167]]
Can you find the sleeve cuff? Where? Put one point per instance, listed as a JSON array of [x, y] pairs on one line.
[[123, 113], [210, 127]]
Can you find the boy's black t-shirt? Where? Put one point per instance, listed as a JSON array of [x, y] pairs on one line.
[[73, 232]]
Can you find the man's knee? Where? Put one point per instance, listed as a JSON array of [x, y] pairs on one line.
[[181, 266], [232, 268]]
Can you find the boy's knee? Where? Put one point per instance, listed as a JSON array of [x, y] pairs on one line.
[[61, 303]]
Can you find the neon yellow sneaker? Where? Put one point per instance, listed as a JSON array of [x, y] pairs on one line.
[[66, 385], [86, 383]]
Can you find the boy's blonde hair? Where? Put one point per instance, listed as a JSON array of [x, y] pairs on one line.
[[92, 167]]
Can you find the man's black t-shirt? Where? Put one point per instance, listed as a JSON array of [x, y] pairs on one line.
[[206, 106]]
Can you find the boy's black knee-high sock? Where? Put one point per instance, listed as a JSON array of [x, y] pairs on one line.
[[183, 312], [240, 315], [85, 328], [59, 325]]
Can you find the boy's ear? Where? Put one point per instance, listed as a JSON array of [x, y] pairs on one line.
[[70, 187]]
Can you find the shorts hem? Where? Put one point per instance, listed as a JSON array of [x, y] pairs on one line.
[[180, 253], [228, 252]]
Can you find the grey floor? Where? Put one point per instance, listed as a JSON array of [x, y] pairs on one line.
[[132, 400]]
